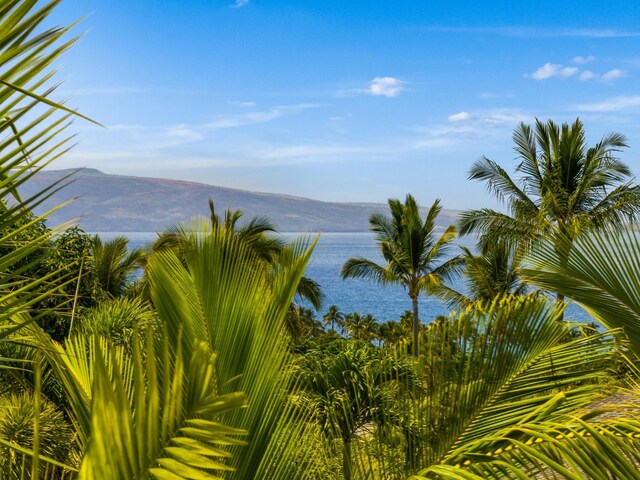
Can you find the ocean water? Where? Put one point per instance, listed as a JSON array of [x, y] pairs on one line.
[[384, 302]]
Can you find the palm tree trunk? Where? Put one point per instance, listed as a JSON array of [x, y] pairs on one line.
[[414, 301], [346, 459]]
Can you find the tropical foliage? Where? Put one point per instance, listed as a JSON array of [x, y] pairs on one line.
[[190, 373]]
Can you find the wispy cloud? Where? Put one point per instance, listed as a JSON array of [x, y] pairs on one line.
[[613, 74], [469, 129], [94, 91], [615, 104], [533, 32], [252, 118], [244, 119], [459, 117], [550, 70], [237, 103], [580, 60], [385, 86], [184, 132], [608, 77], [587, 75], [240, 3]]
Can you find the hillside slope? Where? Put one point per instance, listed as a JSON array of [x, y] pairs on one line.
[[105, 202]]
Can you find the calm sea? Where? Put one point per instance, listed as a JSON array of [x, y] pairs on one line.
[[384, 302]]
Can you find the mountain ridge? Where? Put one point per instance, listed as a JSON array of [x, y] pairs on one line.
[[123, 203]]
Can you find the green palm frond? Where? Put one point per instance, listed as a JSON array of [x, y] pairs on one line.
[[363, 268], [172, 428], [574, 450], [510, 364], [600, 271], [113, 264], [498, 181], [226, 297]]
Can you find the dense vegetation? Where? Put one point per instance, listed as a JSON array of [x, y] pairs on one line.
[[207, 366]]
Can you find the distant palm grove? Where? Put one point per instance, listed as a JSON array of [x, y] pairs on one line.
[[210, 354]]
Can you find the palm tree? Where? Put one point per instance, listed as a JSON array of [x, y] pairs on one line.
[[491, 273], [256, 234], [347, 393], [113, 264], [563, 184], [412, 252], [360, 327], [564, 187], [390, 333], [333, 317], [600, 272]]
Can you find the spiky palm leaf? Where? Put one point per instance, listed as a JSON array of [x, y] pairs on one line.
[[494, 369], [226, 297], [600, 271], [171, 429]]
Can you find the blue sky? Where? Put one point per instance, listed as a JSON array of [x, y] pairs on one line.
[[342, 100]]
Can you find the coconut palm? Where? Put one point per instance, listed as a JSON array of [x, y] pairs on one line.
[[491, 273], [412, 253], [112, 265], [599, 271], [32, 131], [360, 327], [333, 317], [348, 392], [390, 332], [172, 405], [563, 185]]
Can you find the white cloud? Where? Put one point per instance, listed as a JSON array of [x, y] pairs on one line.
[[615, 104], [549, 70], [240, 3], [459, 117], [613, 74], [587, 75], [242, 104], [385, 86], [480, 128], [580, 60]]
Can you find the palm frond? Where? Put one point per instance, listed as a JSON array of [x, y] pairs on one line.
[[600, 271], [363, 268], [224, 296]]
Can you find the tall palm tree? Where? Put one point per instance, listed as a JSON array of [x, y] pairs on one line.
[[563, 186], [333, 317], [255, 233], [412, 253], [390, 332], [347, 392]]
